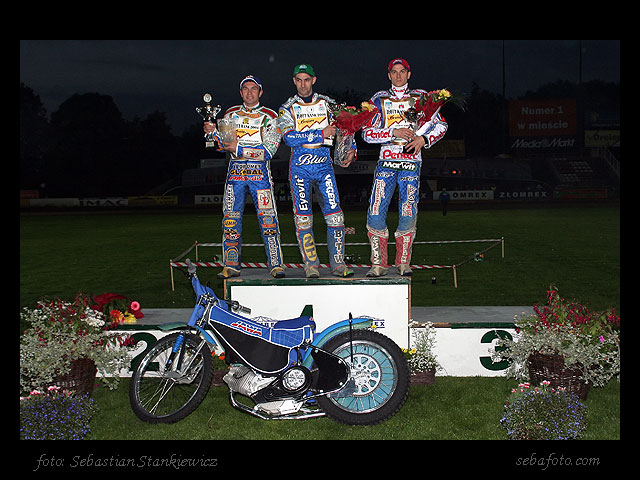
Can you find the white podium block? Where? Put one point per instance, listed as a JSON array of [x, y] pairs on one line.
[[385, 299]]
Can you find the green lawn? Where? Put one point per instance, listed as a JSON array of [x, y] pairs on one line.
[[576, 247], [454, 408]]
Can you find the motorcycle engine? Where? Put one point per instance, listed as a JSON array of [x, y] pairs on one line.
[[278, 396], [244, 381]]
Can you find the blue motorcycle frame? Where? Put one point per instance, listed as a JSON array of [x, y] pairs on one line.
[[348, 371]]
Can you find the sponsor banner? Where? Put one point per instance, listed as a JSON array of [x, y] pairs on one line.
[[104, 202], [562, 144], [153, 201], [208, 199], [601, 138], [527, 195], [53, 202], [541, 125], [28, 194], [578, 193], [466, 194], [536, 118]]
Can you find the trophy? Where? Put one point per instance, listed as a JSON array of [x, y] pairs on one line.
[[227, 130], [412, 116], [344, 143], [208, 113], [333, 109]]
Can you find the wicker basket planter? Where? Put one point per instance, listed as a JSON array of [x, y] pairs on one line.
[[424, 378], [81, 378], [551, 368], [216, 379]]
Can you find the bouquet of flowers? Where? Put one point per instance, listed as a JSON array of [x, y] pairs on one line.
[[543, 413], [351, 119], [348, 120], [423, 109]]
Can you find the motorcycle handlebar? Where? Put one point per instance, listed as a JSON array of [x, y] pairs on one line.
[[233, 304], [191, 268]]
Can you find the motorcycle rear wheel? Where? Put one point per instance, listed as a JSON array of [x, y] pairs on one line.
[[381, 375], [167, 396]]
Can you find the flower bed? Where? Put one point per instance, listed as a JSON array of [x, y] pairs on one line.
[[543, 413]]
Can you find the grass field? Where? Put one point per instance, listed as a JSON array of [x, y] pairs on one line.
[[576, 247], [454, 408]]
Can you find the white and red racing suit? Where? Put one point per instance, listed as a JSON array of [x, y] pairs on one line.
[[249, 173], [396, 167]]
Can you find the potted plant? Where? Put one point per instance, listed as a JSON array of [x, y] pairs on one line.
[[565, 343], [70, 338], [543, 413], [422, 362]]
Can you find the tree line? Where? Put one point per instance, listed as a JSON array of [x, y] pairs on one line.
[[86, 147]]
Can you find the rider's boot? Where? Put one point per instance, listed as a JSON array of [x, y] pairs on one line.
[[404, 246], [378, 240], [311, 271], [277, 272], [342, 271], [228, 272]]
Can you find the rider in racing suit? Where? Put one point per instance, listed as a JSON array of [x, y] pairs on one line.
[[249, 172], [399, 164], [304, 122]]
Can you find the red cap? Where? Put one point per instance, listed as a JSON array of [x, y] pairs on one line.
[[400, 61]]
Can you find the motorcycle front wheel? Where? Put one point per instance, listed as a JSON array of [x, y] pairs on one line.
[[164, 391], [379, 379]]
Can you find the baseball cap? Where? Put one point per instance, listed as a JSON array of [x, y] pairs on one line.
[[251, 78], [400, 61], [304, 68]]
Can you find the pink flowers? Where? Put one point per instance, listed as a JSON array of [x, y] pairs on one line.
[[135, 309]]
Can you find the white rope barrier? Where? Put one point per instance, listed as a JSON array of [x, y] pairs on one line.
[[173, 263]]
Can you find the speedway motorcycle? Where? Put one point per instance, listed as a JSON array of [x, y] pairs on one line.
[[277, 370]]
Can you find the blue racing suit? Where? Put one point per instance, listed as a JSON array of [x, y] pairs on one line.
[[249, 173], [301, 124], [396, 167]]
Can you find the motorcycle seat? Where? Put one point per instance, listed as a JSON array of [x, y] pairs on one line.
[[295, 323]]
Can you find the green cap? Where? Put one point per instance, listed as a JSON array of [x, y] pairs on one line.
[[304, 68]]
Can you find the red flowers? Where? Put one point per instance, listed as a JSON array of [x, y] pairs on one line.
[[350, 119], [351, 123], [558, 313], [108, 302]]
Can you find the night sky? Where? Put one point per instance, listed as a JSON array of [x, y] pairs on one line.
[[171, 76]]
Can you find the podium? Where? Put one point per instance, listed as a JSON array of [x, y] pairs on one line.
[[387, 299]]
